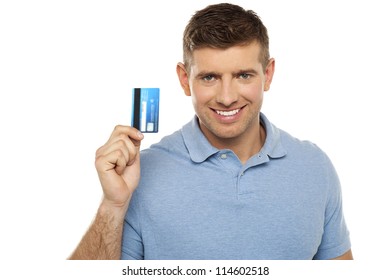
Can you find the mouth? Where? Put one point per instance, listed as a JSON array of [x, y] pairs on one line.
[[228, 113]]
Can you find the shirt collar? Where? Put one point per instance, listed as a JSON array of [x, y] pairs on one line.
[[200, 149], [198, 146], [272, 147]]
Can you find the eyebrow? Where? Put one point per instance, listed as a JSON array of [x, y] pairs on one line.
[[248, 71], [217, 74]]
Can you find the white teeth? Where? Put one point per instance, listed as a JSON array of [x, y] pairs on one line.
[[228, 113]]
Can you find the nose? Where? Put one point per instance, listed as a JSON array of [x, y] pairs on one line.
[[227, 93]]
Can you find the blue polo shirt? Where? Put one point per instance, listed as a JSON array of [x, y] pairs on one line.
[[197, 202]]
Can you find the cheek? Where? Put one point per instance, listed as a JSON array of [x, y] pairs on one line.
[[196, 98], [253, 92], [201, 95]]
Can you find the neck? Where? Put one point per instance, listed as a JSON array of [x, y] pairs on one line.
[[245, 145]]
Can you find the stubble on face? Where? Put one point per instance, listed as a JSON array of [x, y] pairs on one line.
[[227, 92]]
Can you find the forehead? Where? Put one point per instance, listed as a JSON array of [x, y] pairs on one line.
[[232, 58]]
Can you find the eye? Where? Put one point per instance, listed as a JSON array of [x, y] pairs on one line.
[[208, 78], [244, 76]]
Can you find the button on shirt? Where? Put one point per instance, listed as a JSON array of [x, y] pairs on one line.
[[197, 202]]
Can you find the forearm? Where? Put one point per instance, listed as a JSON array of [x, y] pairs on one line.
[[103, 239], [118, 166]]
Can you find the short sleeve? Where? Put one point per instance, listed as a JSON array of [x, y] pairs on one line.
[[335, 240], [132, 245]]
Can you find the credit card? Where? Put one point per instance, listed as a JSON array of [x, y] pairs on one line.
[[145, 116]]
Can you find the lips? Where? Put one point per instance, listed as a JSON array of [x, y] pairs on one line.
[[227, 113]]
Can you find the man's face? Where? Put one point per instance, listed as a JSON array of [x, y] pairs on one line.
[[227, 88]]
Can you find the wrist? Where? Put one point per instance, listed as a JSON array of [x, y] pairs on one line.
[[114, 210]]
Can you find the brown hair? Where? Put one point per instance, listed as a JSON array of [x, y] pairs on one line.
[[223, 26]]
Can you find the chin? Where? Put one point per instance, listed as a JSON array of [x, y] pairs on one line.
[[226, 133]]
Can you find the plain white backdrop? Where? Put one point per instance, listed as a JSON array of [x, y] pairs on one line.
[[67, 69]]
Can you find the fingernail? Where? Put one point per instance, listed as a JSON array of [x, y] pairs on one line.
[[140, 135]]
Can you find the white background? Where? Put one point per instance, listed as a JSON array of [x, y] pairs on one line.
[[67, 69]]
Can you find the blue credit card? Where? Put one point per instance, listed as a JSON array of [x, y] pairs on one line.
[[145, 116]]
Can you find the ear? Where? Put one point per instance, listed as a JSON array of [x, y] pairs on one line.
[[269, 72], [183, 78]]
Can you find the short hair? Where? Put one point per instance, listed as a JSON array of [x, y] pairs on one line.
[[223, 26]]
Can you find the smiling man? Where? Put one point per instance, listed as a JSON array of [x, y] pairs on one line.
[[227, 88], [229, 184]]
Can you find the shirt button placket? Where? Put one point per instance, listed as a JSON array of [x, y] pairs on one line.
[[238, 183]]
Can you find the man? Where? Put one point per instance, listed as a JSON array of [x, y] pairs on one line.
[[229, 184]]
